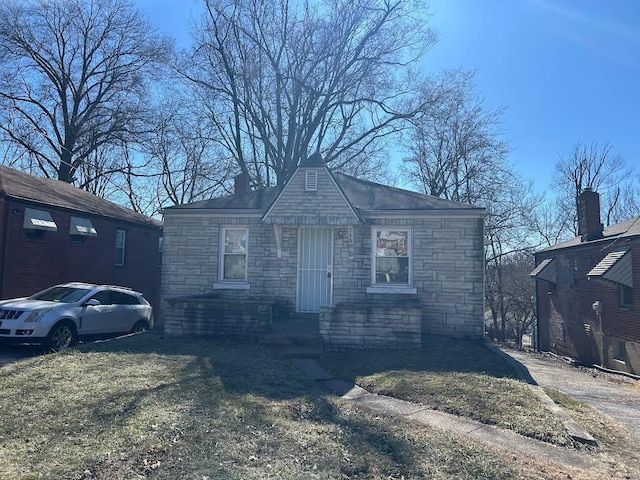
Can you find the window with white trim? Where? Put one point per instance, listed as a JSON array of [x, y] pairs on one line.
[[234, 254], [391, 256], [121, 239]]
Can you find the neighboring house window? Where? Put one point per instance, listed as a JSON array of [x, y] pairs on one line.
[[160, 246], [234, 254], [392, 256], [121, 237], [574, 272], [626, 295]]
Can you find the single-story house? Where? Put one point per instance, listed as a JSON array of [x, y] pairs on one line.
[[379, 266], [52, 232], [588, 302]]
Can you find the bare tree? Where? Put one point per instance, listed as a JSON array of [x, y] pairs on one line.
[[183, 150], [519, 295], [507, 233], [456, 151], [455, 146], [74, 77], [549, 224], [595, 166], [287, 78]]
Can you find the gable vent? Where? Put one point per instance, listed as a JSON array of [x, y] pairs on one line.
[[311, 181]]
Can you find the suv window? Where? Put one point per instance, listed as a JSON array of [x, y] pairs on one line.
[[60, 294], [104, 297], [122, 298]]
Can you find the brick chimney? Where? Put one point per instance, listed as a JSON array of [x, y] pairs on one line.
[[241, 183], [589, 225]]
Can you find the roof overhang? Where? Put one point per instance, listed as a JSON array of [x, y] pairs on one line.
[[615, 267], [423, 213], [546, 271], [207, 212]]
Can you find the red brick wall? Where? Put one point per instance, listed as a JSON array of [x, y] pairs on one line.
[[31, 264], [568, 324]]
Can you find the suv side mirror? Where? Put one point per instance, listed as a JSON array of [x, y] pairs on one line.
[[92, 302]]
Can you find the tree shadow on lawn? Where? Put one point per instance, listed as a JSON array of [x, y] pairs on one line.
[[231, 393], [437, 355]]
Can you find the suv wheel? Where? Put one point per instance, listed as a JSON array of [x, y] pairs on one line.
[[61, 336], [140, 326]]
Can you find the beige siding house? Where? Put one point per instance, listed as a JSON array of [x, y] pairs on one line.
[[376, 265]]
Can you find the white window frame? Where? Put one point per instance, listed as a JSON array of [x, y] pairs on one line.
[[121, 234], [385, 287], [223, 254]]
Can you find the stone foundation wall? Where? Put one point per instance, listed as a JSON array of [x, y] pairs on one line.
[[372, 326], [216, 317]]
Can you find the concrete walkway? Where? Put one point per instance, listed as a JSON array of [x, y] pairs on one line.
[[486, 434], [614, 395]]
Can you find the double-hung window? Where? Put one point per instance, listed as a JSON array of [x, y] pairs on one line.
[[234, 254], [121, 237], [392, 256], [625, 294]]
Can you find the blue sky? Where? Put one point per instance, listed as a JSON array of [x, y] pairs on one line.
[[567, 71]]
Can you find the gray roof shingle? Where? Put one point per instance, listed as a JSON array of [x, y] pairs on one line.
[[626, 229], [46, 191], [363, 196]]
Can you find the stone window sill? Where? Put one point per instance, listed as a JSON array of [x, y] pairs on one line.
[[232, 286], [386, 289]]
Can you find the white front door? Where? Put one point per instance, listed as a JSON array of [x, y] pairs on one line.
[[315, 268]]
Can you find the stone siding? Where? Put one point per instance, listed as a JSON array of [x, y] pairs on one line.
[[216, 317], [325, 206], [372, 326], [447, 259], [448, 271]]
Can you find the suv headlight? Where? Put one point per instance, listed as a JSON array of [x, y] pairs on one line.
[[36, 315]]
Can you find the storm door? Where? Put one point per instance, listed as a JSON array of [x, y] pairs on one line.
[[314, 268]]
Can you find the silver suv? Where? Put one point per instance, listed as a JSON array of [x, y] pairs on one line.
[[58, 316]]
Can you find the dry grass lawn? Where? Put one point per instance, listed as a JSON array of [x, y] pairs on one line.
[[147, 407]]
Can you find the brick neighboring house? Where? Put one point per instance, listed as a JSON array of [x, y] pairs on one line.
[[379, 266], [588, 298], [52, 232]]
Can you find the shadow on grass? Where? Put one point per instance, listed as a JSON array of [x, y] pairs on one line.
[[438, 355], [229, 389], [209, 409]]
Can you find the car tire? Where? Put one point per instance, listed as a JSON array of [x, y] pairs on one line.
[[61, 336], [140, 326]]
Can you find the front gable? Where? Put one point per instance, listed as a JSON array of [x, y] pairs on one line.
[[311, 197]]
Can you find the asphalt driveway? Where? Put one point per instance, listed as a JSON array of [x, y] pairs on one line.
[[614, 395]]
